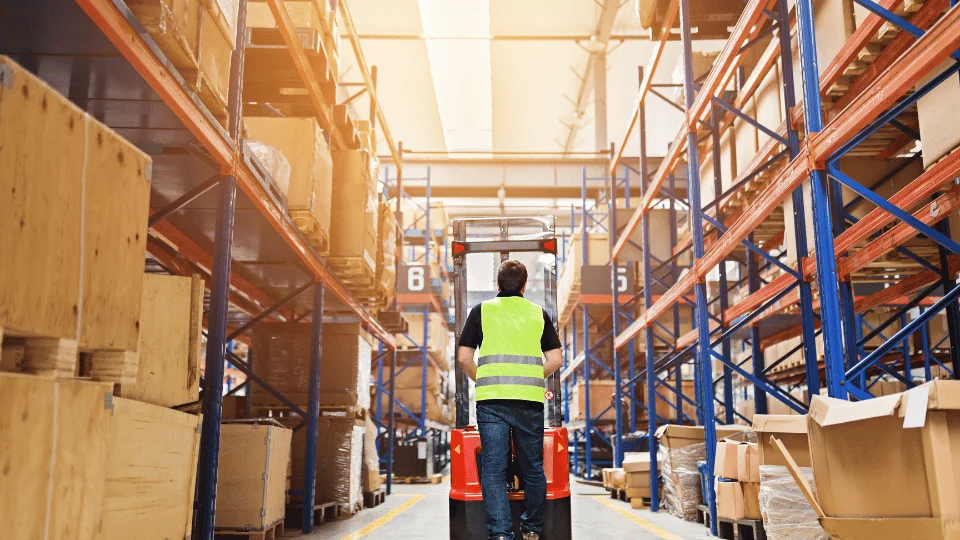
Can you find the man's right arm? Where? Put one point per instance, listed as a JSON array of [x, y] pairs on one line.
[[471, 337], [465, 359]]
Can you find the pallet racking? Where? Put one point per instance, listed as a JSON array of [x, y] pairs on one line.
[[847, 108], [213, 212]]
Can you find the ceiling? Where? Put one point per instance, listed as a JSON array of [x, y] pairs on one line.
[[466, 76]]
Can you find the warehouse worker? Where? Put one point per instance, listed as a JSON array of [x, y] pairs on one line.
[[514, 336]]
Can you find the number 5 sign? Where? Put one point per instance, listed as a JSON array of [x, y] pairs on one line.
[[414, 278]]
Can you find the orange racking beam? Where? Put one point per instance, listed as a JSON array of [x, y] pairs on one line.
[[130, 44], [937, 44]]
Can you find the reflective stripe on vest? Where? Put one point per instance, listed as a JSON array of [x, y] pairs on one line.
[[510, 361]]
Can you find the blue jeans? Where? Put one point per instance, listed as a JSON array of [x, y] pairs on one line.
[[496, 421]]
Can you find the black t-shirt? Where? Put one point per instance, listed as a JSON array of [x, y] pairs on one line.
[[472, 334]]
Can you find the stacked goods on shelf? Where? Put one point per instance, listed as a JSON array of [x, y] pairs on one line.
[[885, 496], [679, 450], [408, 390], [152, 454], [938, 134], [568, 282], [73, 272], [601, 400], [387, 254], [659, 220], [171, 312], [339, 461], [269, 74], [310, 184], [636, 466], [371, 459], [283, 361], [786, 513], [438, 336], [737, 474], [354, 223], [198, 38], [667, 400], [252, 475]]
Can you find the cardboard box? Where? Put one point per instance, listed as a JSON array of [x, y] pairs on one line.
[[225, 13], [339, 460], [601, 397], [152, 455], [886, 496], [371, 459], [353, 224], [729, 500], [252, 479], [638, 480], [302, 143], [52, 434], [618, 479], [939, 135], [171, 322], [638, 492], [282, 360], [725, 464], [748, 462], [635, 462], [790, 429], [175, 27], [676, 436], [751, 500], [216, 54]]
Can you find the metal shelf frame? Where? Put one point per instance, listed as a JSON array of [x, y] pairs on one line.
[[193, 231], [874, 100]]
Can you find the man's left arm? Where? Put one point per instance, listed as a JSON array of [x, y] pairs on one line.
[[551, 347]]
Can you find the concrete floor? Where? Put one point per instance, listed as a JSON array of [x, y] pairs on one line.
[[419, 512]]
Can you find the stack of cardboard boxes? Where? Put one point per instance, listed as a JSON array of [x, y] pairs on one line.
[[737, 473], [636, 466]]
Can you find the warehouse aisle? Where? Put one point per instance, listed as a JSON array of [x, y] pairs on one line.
[[419, 512]]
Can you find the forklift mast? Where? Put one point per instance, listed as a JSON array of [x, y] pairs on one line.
[[501, 239]]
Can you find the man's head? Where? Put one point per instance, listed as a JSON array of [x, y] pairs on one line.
[[512, 277]]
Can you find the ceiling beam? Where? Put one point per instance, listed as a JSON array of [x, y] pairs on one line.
[[599, 40]]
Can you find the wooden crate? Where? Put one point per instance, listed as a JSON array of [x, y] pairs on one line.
[[212, 80], [171, 321], [152, 452], [175, 27], [355, 212], [52, 446], [254, 457], [74, 237]]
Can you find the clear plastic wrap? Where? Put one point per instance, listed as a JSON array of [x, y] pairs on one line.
[[282, 360], [786, 513], [339, 460], [681, 479], [387, 257], [273, 161]]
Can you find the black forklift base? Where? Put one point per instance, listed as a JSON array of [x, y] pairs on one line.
[[467, 521]]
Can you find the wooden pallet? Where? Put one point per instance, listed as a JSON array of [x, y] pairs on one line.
[[348, 510], [733, 529], [357, 275], [60, 358], [640, 502], [318, 236], [432, 479], [372, 499], [322, 513], [270, 533]]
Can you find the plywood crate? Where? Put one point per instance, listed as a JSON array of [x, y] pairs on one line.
[[302, 143], [252, 479], [212, 80], [152, 452], [47, 236], [171, 322], [53, 435], [175, 27], [225, 13], [282, 353]]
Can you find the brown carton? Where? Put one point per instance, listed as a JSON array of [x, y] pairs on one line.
[[636, 462], [884, 468], [748, 462], [729, 500], [751, 500], [789, 429], [725, 462]]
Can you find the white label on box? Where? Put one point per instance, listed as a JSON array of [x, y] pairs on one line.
[[916, 412], [422, 450]]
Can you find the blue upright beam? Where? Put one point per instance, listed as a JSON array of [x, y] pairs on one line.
[[313, 412], [722, 270]]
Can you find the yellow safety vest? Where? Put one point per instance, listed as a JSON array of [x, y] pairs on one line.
[[511, 362]]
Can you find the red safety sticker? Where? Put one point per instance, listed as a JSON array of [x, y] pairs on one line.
[[548, 394]]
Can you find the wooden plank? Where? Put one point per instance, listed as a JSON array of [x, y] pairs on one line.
[[52, 434], [152, 453], [170, 326]]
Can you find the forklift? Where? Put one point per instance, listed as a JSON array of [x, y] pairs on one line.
[[481, 244]]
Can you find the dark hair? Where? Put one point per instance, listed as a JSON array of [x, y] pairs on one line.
[[512, 276]]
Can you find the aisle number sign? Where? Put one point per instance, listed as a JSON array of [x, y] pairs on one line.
[[414, 278], [596, 280]]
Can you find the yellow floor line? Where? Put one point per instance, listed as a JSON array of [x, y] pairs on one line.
[[640, 521], [382, 520]]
